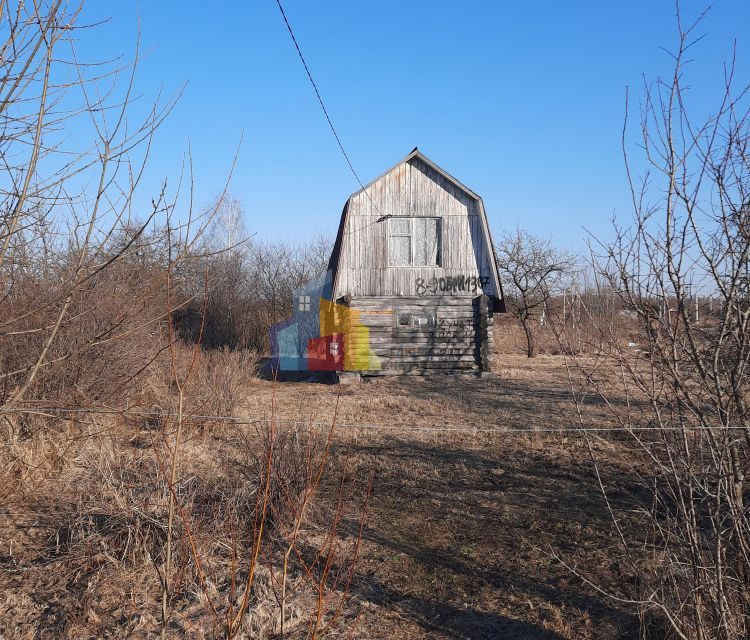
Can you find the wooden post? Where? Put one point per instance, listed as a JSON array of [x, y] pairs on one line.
[[696, 307], [484, 334]]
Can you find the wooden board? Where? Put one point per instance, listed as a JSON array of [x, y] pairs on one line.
[[461, 339], [413, 189]]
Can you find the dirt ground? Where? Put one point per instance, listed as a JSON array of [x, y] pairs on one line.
[[482, 501], [470, 530]]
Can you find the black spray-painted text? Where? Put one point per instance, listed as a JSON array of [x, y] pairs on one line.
[[450, 284]]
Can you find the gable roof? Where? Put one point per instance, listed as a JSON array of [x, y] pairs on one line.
[[416, 153]]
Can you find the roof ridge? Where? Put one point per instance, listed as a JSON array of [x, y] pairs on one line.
[[416, 153]]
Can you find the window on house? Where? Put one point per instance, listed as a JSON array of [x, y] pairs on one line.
[[414, 242], [304, 303], [334, 348], [424, 318]]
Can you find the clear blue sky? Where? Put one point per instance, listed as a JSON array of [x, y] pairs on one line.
[[522, 101]]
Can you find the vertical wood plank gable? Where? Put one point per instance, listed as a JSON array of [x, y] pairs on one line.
[[413, 189]]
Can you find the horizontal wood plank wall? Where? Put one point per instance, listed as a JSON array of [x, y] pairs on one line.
[[411, 189], [458, 342]]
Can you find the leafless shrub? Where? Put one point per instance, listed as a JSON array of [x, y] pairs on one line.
[[685, 382], [534, 270], [80, 276], [115, 488], [243, 530], [250, 289]]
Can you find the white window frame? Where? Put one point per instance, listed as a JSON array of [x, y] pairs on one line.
[[429, 315], [304, 303], [412, 243]]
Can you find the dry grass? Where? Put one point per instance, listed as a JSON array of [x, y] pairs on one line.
[[83, 527], [466, 528], [462, 537]]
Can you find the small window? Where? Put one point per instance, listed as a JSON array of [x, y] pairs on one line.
[[334, 348], [417, 319], [304, 303], [414, 242]]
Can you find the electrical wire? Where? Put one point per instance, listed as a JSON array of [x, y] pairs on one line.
[[323, 106], [468, 430]]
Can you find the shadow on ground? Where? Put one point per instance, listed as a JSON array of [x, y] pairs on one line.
[[269, 371], [465, 544]]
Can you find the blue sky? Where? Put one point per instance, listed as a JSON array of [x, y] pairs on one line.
[[521, 101]]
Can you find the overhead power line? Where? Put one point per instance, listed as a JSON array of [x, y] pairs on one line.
[[336, 425], [323, 106]]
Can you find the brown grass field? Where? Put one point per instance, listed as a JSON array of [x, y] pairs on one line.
[[469, 534], [464, 528]]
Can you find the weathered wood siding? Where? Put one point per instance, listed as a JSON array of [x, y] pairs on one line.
[[412, 189], [460, 340]]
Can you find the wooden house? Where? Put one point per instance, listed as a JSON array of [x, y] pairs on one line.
[[413, 279]]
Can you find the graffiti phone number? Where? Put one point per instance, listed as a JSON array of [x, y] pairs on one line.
[[451, 284]]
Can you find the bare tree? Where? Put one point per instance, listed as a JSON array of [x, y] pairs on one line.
[[92, 369], [228, 232], [83, 279], [534, 268], [685, 391], [251, 286]]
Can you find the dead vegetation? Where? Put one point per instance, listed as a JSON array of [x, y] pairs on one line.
[[149, 485], [467, 526], [460, 539], [85, 526], [131, 504]]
